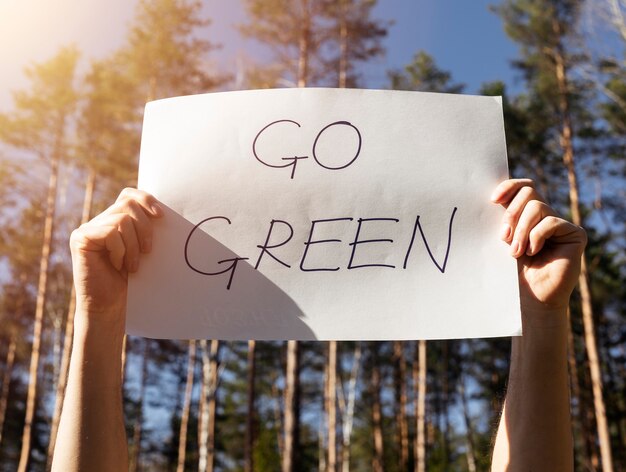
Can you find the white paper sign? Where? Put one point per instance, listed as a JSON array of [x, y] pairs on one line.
[[325, 214]]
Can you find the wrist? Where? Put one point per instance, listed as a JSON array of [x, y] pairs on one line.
[[544, 316], [99, 328]]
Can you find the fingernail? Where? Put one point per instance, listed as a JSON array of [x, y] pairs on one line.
[[529, 251], [156, 209], [495, 197], [514, 248], [505, 232], [146, 245]]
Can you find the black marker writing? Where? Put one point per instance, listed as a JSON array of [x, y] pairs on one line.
[[310, 242], [294, 160], [356, 242], [287, 235], [264, 248], [358, 151], [235, 260], [442, 268]]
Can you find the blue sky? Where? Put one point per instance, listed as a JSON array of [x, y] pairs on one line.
[[463, 36]]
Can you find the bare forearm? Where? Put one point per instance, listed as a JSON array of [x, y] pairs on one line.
[[535, 428], [91, 432]]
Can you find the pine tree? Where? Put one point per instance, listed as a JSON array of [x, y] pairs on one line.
[[356, 37], [295, 32], [163, 55], [40, 126], [545, 32]]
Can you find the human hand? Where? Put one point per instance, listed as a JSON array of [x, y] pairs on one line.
[[547, 247], [107, 248]]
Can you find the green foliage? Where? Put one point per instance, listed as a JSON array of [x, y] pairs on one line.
[[163, 55], [38, 123], [355, 37], [423, 75]]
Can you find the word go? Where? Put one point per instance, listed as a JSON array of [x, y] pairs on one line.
[[292, 161]]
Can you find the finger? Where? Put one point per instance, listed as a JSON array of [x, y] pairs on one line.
[[97, 237], [129, 235], [557, 230], [514, 210], [124, 224], [148, 202], [507, 189], [142, 223], [534, 212], [116, 247]]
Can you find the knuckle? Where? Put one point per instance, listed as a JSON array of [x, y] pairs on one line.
[[127, 191], [125, 219]]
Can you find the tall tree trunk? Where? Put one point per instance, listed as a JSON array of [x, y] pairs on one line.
[[343, 44], [348, 409], [304, 44], [469, 430], [401, 401], [251, 416], [134, 458], [332, 406], [580, 423], [124, 355], [323, 424], [212, 404], [69, 329], [184, 418], [6, 382], [292, 413], [566, 137], [419, 382], [203, 408], [377, 414], [445, 365], [41, 302]]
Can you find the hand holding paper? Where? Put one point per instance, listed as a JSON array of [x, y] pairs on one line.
[[107, 248], [549, 248]]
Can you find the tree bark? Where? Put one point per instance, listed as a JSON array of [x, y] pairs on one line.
[[566, 138], [469, 430], [212, 405], [445, 364], [69, 329], [419, 382], [304, 44], [332, 406], [401, 401], [203, 408], [6, 382], [292, 413], [250, 418], [184, 418], [378, 458], [579, 415], [39, 310], [322, 430], [348, 410], [343, 44]]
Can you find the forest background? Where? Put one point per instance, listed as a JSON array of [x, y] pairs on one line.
[[70, 124]]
